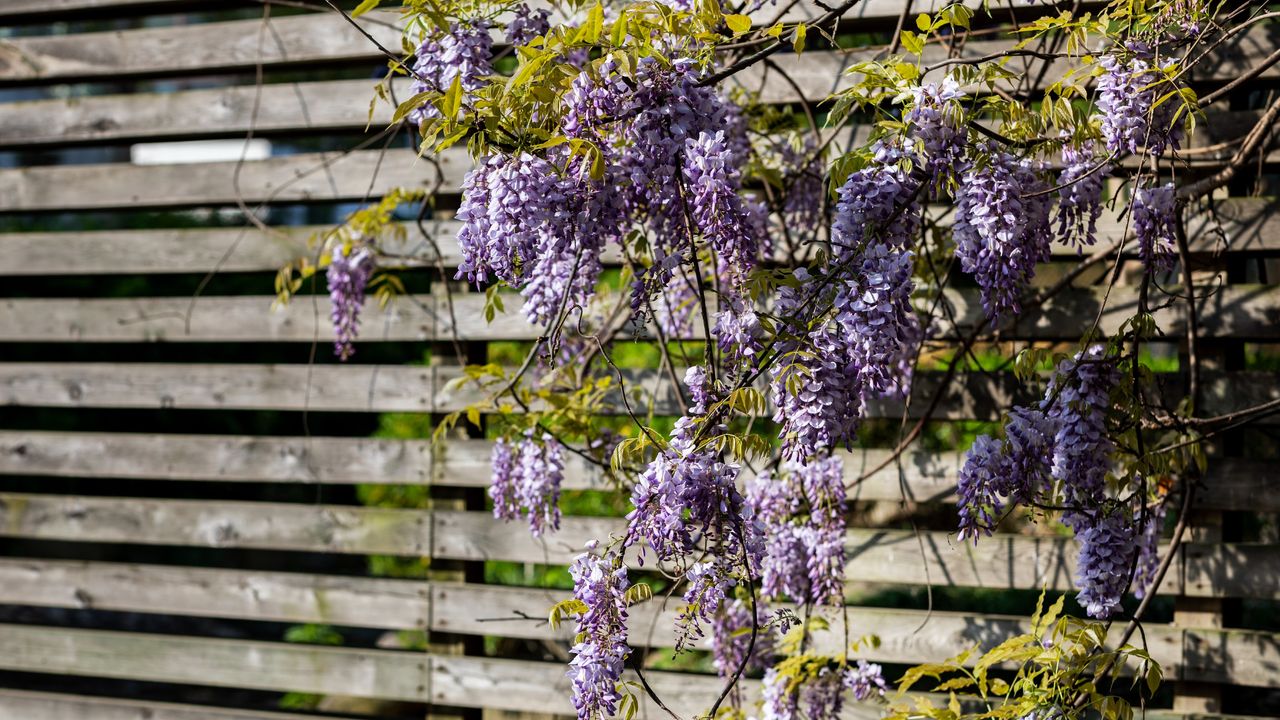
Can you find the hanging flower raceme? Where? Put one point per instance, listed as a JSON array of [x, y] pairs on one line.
[[731, 636], [1077, 400], [464, 53], [1128, 90], [536, 229], [347, 278], [936, 123], [802, 513], [821, 691], [1149, 549], [527, 482], [1001, 229], [715, 207], [1154, 222], [1080, 194], [599, 583], [1106, 561], [1058, 454], [866, 349], [527, 24]]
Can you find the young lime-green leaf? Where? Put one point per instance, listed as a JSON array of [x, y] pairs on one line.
[[365, 7], [452, 101], [592, 27], [775, 31], [913, 43], [923, 22], [738, 23], [408, 105], [798, 41]]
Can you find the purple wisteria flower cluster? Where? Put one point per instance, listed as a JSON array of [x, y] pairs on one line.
[[527, 24], [1080, 194], [1128, 90], [526, 481], [822, 693], [1002, 228], [1154, 225], [867, 347], [600, 653], [464, 53], [936, 123], [347, 277], [802, 512], [731, 635], [1059, 454]]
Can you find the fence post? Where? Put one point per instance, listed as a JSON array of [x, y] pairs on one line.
[[445, 354]]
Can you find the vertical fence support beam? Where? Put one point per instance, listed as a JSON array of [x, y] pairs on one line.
[[446, 355], [1207, 526]]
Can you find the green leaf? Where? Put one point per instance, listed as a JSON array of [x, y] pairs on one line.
[[798, 41], [638, 593], [452, 100], [738, 23], [592, 27], [913, 43], [923, 22], [365, 7], [409, 105]]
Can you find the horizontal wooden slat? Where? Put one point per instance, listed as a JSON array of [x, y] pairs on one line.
[[908, 636], [1249, 225], [325, 38], [294, 178], [273, 526], [922, 476], [205, 48], [1239, 311], [353, 388], [220, 457], [344, 105], [391, 675], [372, 388], [332, 105], [212, 592], [867, 10], [28, 705]]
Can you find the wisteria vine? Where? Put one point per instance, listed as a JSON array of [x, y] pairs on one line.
[[794, 289]]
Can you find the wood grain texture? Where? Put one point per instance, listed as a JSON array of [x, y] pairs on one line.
[[309, 177], [224, 524], [1238, 225], [924, 477], [1244, 312], [374, 388], [212, 592], [242, 458], [29, 705], [200, 48], [387, 674]]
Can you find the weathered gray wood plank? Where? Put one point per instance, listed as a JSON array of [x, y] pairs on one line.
[[323, 38], [29, 705], [242, 458], [1247, 312], [272, 526], [212, 592], [387, 674], [294, 178], [199, 48], [923, 476], [1248, 225], [371, 388]]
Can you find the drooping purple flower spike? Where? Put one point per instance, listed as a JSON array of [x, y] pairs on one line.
[[600, 654], [347, 277]]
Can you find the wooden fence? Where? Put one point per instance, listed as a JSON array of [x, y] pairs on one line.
[[178, 473]]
